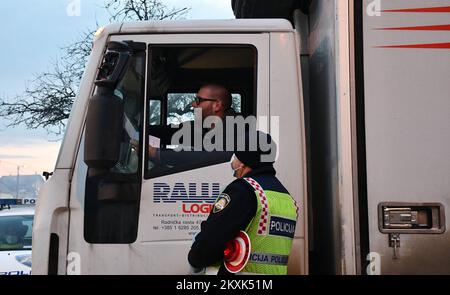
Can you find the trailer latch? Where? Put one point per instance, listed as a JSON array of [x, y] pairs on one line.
[[411, 218], [404, 218], [396, 218]]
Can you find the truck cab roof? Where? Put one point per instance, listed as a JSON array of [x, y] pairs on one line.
[[201, 26]]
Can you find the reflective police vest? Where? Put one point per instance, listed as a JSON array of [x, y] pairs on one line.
[[271, 231]]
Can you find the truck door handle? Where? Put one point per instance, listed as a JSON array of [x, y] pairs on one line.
[[411, 218]]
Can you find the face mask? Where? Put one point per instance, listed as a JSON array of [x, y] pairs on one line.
[[11, 239], [234, 170]]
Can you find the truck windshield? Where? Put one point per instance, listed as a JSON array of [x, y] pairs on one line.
[[15, 232]]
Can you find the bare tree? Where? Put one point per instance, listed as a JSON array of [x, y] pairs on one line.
[[130, 10], [47, 100]]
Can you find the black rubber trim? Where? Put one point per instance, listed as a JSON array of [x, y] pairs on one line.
[[361, 134], [53, 254]]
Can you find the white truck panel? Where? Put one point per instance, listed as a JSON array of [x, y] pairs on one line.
[[287, 130], [407, 128]]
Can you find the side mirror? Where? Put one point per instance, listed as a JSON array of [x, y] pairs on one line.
[[104, 123], [103, 130], [105, 113], [114, 65]]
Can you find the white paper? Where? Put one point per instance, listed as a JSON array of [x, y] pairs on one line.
[[131, 131], [154, 141]]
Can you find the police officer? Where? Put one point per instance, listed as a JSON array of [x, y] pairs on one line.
[[257, 203]]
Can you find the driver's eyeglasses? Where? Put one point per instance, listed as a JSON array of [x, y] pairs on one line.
[[199, 99]]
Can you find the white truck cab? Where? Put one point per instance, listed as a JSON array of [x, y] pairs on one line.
[[138, 217]]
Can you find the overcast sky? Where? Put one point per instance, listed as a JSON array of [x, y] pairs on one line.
[[32, 34]]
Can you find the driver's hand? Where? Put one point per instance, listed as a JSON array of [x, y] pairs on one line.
[[152, 151]]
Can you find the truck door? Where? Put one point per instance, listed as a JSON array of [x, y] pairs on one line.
[[407, 132], [140, 216]]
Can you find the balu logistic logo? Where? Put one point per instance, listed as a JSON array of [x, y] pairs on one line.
[[193, 197]]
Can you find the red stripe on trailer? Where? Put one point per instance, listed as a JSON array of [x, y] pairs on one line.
[[442, 9], [419, 28], [419, 46]]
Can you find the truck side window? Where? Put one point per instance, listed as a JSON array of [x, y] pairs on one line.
[[175, 75], [155, 115], [180, 107], [112, 196]]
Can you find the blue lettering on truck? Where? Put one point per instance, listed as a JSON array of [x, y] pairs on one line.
[[190, 193]]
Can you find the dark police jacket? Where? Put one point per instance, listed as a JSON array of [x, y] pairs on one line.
[[223, 226]]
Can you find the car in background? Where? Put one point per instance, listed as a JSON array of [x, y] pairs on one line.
[[16, 223]]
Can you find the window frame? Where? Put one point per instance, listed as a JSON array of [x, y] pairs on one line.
[[244, 104], [192, 93]]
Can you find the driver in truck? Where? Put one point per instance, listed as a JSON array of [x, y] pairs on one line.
[[212, 99]]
